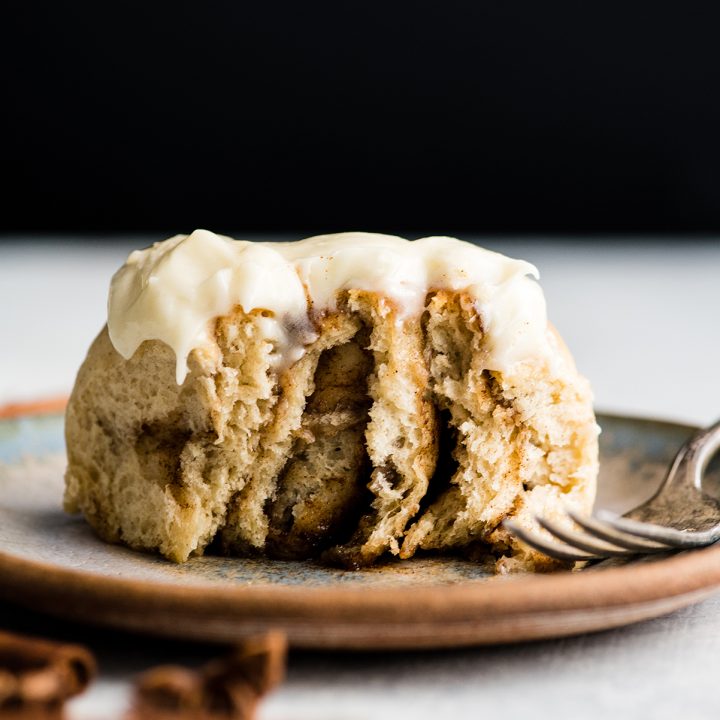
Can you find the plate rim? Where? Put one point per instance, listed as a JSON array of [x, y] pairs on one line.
[[473, 612]]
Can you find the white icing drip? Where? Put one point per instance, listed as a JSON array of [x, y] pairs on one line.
[[172, 290]]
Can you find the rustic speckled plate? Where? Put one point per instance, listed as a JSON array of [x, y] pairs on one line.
[[52, 562]]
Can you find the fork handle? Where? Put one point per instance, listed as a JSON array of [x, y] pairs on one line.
[[700, 450]]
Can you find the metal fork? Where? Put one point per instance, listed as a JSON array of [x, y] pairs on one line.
[[678, 516]]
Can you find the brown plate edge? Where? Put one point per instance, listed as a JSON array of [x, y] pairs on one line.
[[43, 406], [486, 612], [506, 610]]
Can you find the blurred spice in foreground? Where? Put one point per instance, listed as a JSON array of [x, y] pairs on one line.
[[37, 676], [228, 688]]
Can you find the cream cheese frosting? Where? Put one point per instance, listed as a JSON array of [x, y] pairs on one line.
[[172, 290]]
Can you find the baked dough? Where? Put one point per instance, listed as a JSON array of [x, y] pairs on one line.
[[389, 432]]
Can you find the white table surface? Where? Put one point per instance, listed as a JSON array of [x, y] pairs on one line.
[[641, 319]]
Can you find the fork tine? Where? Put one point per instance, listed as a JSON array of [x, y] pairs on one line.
[[582, 542], [611, 534], [561, 552], [670, 536]]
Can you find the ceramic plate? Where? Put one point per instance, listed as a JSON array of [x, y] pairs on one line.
[[53, 563]]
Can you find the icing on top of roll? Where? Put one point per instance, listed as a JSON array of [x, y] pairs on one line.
[[172, 290]]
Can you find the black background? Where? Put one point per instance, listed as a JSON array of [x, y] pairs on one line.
[[516, 117]]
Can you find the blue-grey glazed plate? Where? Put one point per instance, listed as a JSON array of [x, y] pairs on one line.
[[52, 562]]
